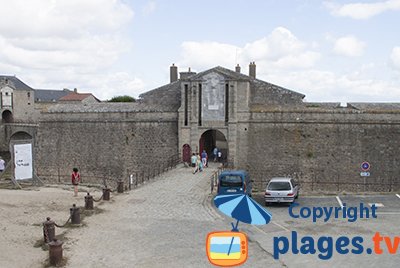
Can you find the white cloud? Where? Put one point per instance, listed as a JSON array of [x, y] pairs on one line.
[[320, 85], [395, 58], [149, 8], [103, 85], [349, 46], [362, 10], [285, 60], [207, 54], [280, 49], [71, 43]]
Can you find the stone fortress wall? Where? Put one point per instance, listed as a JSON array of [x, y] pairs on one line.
[[270, 132], [324, 150], [108, 141]]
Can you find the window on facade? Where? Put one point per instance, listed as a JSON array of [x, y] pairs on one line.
[[200, 103], [186, 104], [29, 94], [226, 103]]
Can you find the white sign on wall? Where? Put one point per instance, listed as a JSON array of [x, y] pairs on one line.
[[23, 161]]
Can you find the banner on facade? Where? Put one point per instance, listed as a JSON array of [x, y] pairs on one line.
[[23, 161]]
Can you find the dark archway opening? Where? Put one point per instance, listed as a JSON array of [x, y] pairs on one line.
[[214, 139], [7, 116], [21, 135]]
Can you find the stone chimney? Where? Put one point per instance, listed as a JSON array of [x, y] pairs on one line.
[[252, 69], [185, 75], [173, 73], [237, 68]]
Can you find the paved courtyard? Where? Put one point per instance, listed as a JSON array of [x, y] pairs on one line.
[[163, 223]]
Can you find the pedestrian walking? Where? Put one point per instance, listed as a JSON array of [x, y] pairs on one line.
[[198, 162], [193, 160], [75, 179], [219, 156], [215, 153], [204, 158], [2, 165]]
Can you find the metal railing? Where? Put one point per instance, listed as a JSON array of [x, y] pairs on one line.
[[133, 178], [137, 178]]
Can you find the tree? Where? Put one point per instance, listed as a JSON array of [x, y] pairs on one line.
[[124, 98]]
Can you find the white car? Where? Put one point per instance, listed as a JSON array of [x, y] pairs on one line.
[[281, 190]]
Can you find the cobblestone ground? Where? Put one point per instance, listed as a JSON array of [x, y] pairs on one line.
[[163, 223]]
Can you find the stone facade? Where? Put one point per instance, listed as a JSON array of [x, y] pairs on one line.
[[17, 100], [271, 132], [104, 140], [263, 128], [324, 149]]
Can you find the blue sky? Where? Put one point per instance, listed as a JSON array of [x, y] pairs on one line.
[[344, 51]]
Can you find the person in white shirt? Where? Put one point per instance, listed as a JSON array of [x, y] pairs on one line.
[[2, 164]]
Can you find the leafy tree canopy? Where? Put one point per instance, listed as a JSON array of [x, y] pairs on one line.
[[124, 98]]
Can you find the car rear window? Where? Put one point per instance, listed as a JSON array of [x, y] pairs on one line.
[[279, 186], [231, 181]]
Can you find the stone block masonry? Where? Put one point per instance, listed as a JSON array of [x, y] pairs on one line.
[[105, 145], [324, 151]]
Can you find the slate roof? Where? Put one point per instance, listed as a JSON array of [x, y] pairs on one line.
[[168, 96], [105, 107], [73, 96], [15, 82], [377, 106], [49, 95]]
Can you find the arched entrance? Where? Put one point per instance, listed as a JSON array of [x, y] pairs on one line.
[[214, 139], [21, 135], [186, 151], [7, 116]]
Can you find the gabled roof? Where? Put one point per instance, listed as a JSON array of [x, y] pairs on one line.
[[239, 76], [225, 72], [14, 82], [73, 96], [50, 95]]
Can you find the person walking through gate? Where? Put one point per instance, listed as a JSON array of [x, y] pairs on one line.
[[219, 156], [204, 158], [215, 153], [75, 179], [193, 160], [198, 162], [2, 165]]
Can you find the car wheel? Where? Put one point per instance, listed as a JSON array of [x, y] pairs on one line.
[[266, 204], [297, 196]]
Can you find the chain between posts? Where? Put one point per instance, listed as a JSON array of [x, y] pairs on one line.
[[98, 200], [61, 226]]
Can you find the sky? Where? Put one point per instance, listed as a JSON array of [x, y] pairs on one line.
[[331, 51]]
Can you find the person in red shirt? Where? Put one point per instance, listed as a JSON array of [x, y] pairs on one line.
[[75, 179]]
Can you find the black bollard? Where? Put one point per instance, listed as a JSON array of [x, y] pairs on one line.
[[88, 201], [48, 230], [106, 194], [120, 187], [75, 214], [55, 252]]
